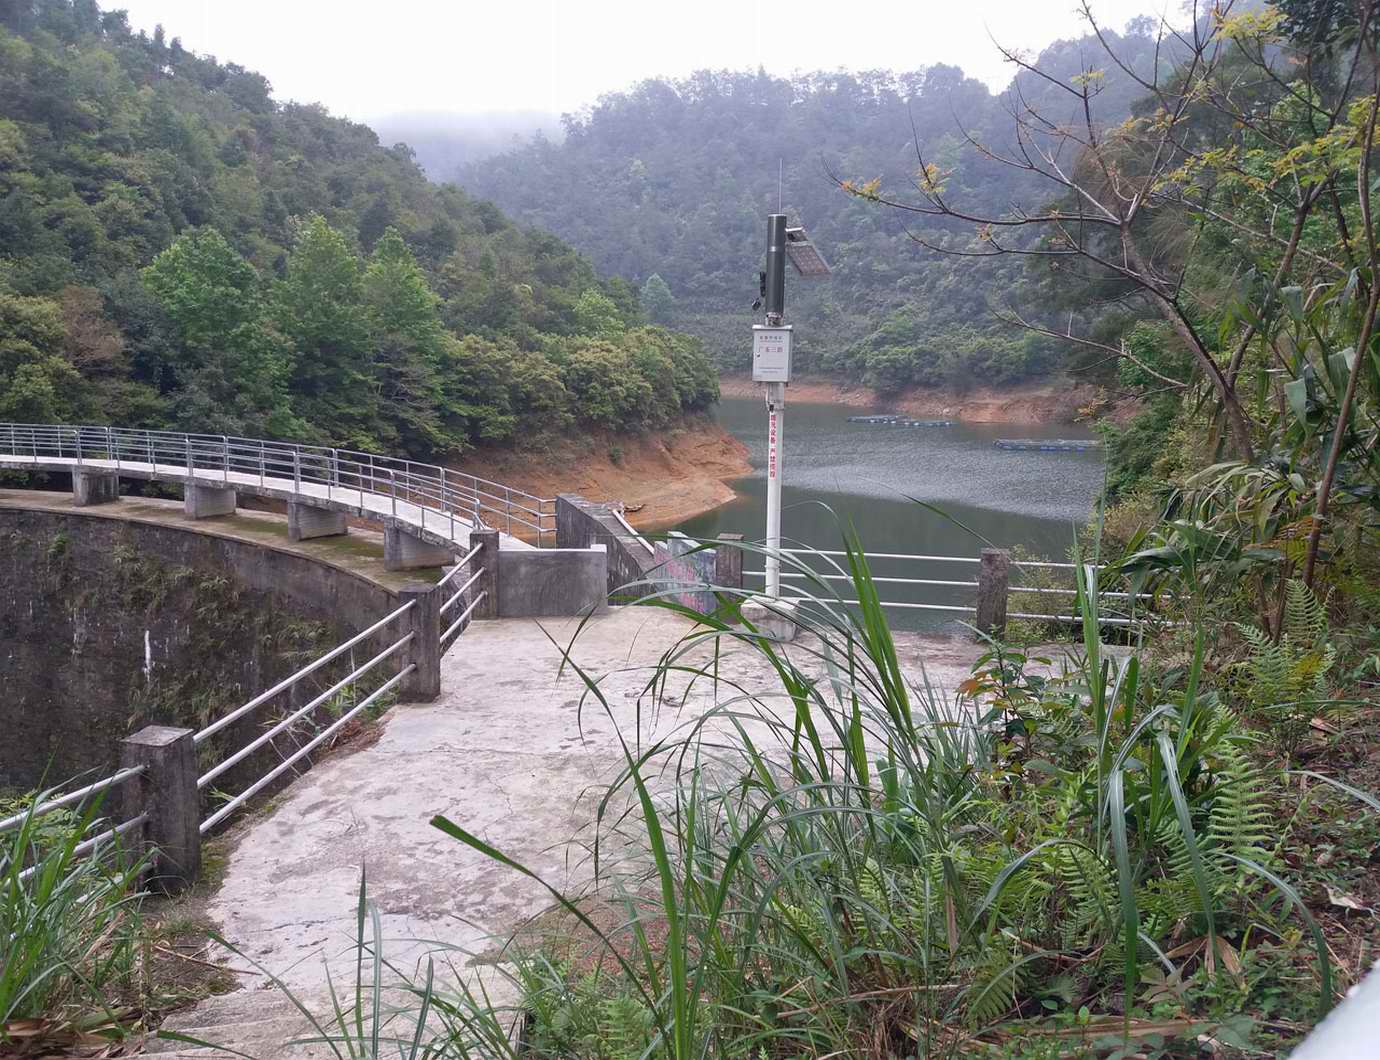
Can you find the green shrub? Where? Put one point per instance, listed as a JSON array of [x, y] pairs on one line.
[[862, 859], [69, 925]]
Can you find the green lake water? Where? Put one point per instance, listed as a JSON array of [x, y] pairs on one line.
[[838, 474]]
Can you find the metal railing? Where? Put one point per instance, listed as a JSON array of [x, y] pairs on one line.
[[467, 563], [75, 798], [295, 716], [1119, 607], [439, 497]]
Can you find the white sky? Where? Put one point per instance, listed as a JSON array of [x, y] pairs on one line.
[[366, 60]]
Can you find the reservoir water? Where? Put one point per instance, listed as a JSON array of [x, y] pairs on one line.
[[839, 474]]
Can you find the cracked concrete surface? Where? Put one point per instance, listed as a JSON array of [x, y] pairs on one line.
[[507, 753]]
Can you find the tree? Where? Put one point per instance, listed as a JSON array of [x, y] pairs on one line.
[[206, 288], [93, 344], [319, 306], [37, 385], [609, 391], [597, 316], [657, 300], [178, 223], [230, 369], [1112, 191], [408, 347]]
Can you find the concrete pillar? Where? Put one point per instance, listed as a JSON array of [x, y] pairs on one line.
[[307, 521], [167, 792], [488, 581], [403, 550], [94, 487], [424, 650], [993, 585], [728, 562], [205, 502]]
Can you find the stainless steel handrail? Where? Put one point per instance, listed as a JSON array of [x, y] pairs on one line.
[[244, 752], [458, 494], [464, 615], [88, 845], [72, 797], [239, 800], [460, 565], [311, 667]]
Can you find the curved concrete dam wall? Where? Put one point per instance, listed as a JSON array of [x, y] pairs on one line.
[[119, 617]]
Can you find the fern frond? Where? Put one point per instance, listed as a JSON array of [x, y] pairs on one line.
[[1305, 617], [999, 976], [1240, 822]]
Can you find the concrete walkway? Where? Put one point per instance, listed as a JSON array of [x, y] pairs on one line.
[[505, 752]]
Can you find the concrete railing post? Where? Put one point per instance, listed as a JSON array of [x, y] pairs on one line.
[[488, 581], [167, 792], [423, 684], [728, 562], [994, 577]]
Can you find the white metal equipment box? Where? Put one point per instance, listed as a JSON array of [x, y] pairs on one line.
[[771, 354]]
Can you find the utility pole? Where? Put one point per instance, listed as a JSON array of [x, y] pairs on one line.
[[771, 366], [772, 361]]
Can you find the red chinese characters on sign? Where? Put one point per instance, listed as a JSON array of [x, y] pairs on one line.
[[771, 444]]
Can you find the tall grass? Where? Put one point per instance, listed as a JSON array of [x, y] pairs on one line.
[[69, 926], [853, 862]]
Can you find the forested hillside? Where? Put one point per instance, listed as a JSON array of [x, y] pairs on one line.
[[673, 180], [178, 249]]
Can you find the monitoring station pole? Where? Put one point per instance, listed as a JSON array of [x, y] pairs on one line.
[[771, 364]]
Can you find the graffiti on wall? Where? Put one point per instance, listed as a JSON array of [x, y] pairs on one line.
[[684, 574]]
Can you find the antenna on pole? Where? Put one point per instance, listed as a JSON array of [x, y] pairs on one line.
[[780, 167]]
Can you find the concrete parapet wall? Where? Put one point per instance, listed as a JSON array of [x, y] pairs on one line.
[[90, 650], [552, 581], [581, 523], [684, 570], [317, 588]]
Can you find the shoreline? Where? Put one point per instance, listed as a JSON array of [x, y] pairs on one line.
[[670, 475], [1045, 401], [684, 470]]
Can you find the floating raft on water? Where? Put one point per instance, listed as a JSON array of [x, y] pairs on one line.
[[1049, 445], [898, 421]]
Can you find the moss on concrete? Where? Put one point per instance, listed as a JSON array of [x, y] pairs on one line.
[[360, 552]]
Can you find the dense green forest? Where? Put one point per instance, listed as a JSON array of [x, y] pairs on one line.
[[671, 181], [179, 249]]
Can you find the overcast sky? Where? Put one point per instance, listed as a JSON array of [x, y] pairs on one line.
[[366, 60]]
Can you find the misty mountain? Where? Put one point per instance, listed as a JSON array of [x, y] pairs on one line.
[[675, 177], [445, 141]]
